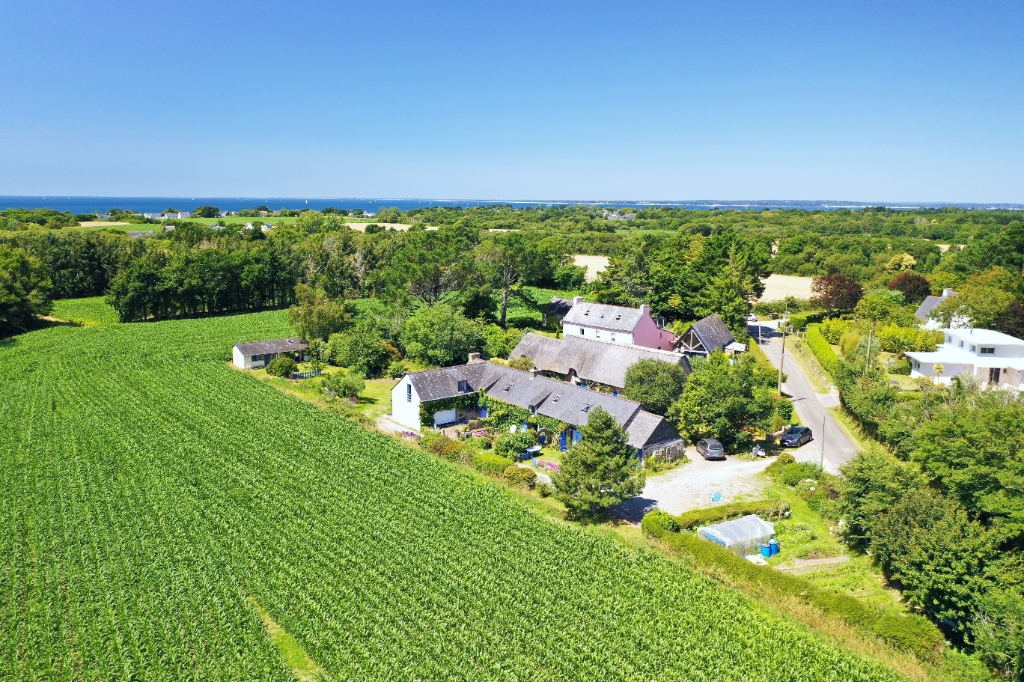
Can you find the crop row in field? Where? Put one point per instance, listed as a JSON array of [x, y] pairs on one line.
[[150, 494]]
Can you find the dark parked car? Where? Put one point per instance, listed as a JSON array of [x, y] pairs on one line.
[[709, 448], [796, 436]]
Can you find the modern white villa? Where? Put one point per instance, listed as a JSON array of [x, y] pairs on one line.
[[996, 359]]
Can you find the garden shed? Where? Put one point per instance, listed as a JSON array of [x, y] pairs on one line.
[[742, 536]]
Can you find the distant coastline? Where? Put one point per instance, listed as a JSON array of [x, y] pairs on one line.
[[89, 204]]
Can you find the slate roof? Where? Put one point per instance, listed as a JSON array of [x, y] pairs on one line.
[[272, 346], [712, 332], [602, 315], [927, 305], [558, 307], [551, 398], [601, 361]]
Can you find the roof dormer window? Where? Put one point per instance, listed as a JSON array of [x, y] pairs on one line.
[[961, 344], [988, 351], [973, 348], [463, 386]]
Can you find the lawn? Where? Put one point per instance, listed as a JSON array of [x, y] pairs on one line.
[[84, 311], [163, 509]]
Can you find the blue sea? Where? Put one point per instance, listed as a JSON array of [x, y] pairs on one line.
[[160, 204]]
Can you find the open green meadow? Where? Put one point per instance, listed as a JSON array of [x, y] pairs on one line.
[[160, 508], [85, 311]]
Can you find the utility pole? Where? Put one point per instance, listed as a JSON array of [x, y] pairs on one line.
[[867, 364], [782, 360]]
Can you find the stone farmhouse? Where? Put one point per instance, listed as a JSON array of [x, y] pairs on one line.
[[411, 399]]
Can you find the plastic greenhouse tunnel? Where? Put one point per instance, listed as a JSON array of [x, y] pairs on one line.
[[743, 535]]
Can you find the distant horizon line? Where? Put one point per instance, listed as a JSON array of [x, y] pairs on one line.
[[831, 203]]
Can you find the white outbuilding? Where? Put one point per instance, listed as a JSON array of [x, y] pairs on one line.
[[258, 354]]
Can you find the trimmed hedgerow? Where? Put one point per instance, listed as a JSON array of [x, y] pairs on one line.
[[774, 508], [821, 349]]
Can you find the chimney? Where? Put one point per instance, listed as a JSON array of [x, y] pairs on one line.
[[645, 310], [534, 372], [474, 358], [946, 293], [577, 299]]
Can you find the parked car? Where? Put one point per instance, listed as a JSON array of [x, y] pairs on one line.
[[796, 436], [709, 448], [751, 317]]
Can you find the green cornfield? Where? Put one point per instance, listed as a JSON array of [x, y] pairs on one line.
[[150, 495]]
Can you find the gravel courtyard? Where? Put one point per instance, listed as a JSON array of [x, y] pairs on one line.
[[690, 486]]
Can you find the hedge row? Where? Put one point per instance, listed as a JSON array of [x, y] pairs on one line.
[[775, 508], [491, 464], [826, 356], [910, 632], [801, 321]]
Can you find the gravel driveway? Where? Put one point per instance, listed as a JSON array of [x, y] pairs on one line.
[[690, 487]]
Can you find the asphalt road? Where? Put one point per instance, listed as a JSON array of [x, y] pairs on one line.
[[838, 446]]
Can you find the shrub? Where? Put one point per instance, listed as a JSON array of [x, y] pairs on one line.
[[343, 384], [396, 369], [781, 461], [490, 464], [792, 474], [520, 476], [832, 329], [911, 632], [513, 445], [662, 518], [774, 508], [282, 367], [546, 489], [814, 502], [445, 447], [902, 367]]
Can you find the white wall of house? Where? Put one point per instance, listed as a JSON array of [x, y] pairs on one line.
[[927, 369], [405, 404], [246, 361], [238, 358], [597, 333]]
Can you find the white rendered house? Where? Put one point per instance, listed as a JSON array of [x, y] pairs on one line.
[[994, 358], [603, 322]]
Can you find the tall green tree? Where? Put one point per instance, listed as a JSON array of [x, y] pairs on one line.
[[441, 335], [655, 384], [509, 260], [929, 546], [316, 316], [600, 470], [434, 267], [24, 290], [727, 401]]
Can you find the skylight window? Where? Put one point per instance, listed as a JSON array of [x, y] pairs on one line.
[[556, 398], [587, 407]]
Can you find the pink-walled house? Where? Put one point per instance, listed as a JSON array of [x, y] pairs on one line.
[[603, 322]]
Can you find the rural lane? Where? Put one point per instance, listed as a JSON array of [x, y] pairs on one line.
[[838, 447]]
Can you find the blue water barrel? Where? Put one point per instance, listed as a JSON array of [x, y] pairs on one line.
[[774, 546], [766, 551]]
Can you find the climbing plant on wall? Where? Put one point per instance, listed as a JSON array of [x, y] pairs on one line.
[[457, 402]]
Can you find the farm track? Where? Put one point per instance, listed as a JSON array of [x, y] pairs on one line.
[[149, 492]]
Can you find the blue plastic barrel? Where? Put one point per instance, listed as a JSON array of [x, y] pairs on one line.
[[766, 551], [774, 545]]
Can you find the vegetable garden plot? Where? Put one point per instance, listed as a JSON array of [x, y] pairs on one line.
[[149, 491]]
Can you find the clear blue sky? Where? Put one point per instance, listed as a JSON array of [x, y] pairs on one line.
[[489, 100]]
